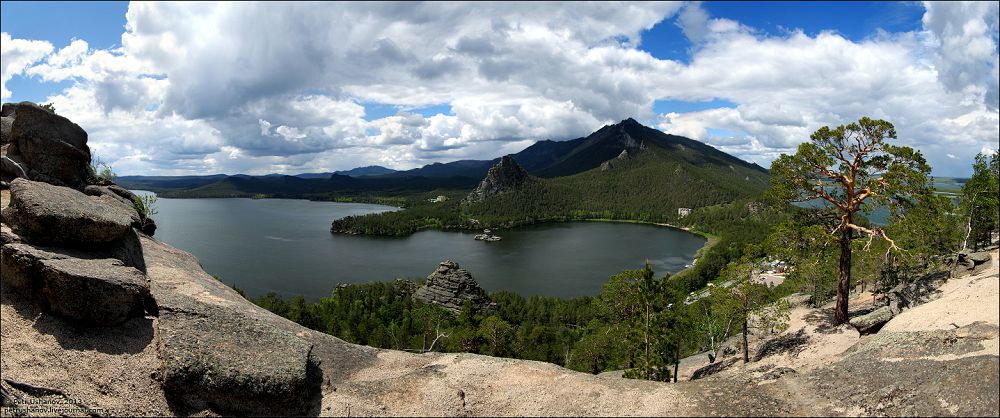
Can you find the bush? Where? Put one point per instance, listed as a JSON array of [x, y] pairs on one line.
[[101, 172], [145, 205]]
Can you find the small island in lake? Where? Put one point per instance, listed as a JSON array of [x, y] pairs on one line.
[[487, 236]]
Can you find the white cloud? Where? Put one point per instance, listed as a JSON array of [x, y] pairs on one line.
[[966, 32], [196, 88], [265, 127], [16, 55], [141, 141], [788, 86]]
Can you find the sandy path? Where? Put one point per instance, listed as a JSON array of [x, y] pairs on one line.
[[962, 301]]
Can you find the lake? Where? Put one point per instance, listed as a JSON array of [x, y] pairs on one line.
[[285, 246], [878, 215]]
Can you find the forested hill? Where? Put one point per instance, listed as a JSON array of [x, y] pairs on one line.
[[626, 171], [648, 184]]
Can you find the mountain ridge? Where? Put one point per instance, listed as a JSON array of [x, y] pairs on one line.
[[545, 159]]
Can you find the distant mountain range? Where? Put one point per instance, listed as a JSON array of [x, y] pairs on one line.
[[372, 170], [562, 158], [546, 159]]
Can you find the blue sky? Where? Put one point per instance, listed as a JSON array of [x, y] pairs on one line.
[[309, 87], [99, 23]]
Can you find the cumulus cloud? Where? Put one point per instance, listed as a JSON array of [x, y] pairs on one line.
[[788, 86], [966, 32], [16, 55], [142, 141], [208, 87]]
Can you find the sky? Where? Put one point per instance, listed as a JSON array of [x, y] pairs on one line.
[[279, 87]]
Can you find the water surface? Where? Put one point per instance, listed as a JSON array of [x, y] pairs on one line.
[[285, 246]]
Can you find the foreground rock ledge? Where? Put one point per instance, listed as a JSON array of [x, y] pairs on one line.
[[100, 292], [47, 214], [76, 285], [360, 380], [219, 359]]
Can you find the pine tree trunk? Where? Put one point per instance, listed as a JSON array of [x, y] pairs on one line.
[[646, 353], [746, 351], [677, 361], [844, 273]]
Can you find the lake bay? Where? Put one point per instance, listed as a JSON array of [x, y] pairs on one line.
[[285, 246]]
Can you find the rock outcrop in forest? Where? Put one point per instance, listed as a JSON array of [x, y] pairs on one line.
[[503, 177], [450, 286]]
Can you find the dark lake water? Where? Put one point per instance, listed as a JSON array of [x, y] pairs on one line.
[[285, 246]]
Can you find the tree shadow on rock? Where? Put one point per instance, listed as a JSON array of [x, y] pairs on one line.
[[822, 318], [787, 343]]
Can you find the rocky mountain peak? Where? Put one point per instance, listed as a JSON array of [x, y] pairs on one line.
[[503, 177], [628, 129], [630, 122]]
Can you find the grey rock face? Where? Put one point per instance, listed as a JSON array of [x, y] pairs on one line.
[[6, 123], [123, 193], [980, 257], [19, 266], [79, 285], [128, 250], [7, 235], [614, 162], [873, 321], [235, 364], [46, 214], [8, 110], [450, 286], [507, 175], [53, 146], [112, 198], [914, 384], [972, 261], [98, 292]]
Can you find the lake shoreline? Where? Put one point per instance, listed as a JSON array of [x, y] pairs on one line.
[[241, 240]]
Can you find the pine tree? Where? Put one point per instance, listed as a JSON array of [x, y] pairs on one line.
[[851, 167]]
